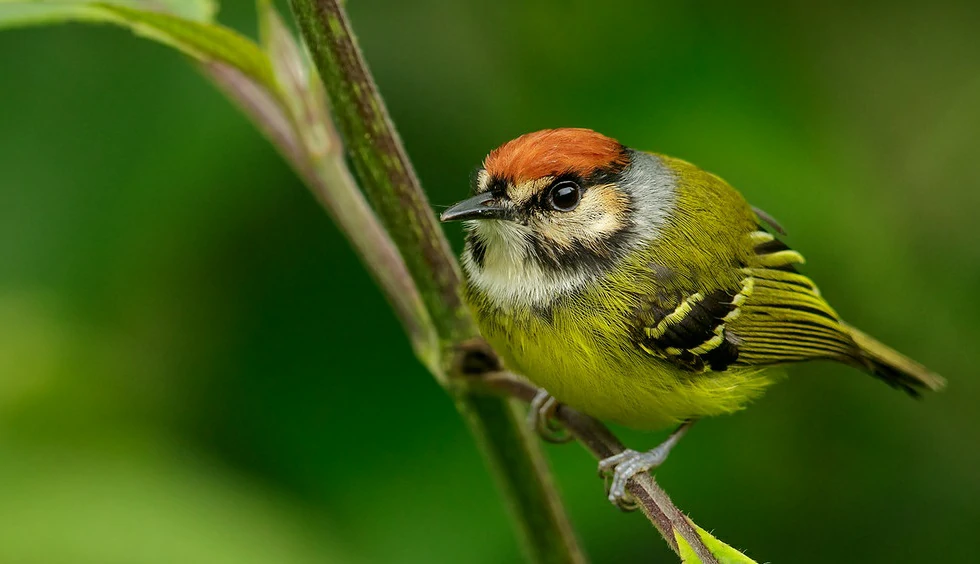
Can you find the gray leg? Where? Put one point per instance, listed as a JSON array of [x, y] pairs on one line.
[[540, 417], [629, 463]]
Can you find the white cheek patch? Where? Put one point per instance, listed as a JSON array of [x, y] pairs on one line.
[[603, 225], [602, 213]]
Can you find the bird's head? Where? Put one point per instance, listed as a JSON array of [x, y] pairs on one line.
[[553, 210]]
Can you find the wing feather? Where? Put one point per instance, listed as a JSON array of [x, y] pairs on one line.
[[773, 316], [786, 319]]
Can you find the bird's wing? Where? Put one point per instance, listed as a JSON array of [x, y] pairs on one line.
[[784, 318], [771, 315], [690, 330]]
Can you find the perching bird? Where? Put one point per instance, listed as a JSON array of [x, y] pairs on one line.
[[640, 289]]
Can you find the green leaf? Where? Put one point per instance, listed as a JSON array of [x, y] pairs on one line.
[[21, 14], [721, 551], [187, 31], [33, 12]]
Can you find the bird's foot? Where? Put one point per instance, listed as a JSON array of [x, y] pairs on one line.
[[629, 463], [623, 467], [541, 418]]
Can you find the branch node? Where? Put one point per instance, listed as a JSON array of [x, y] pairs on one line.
[[473, 358]]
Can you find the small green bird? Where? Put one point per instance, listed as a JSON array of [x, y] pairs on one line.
[[640, 289]]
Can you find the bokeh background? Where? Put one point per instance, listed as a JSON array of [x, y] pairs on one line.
[[194, 367]]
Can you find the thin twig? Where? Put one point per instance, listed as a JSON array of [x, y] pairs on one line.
[[599, 440]]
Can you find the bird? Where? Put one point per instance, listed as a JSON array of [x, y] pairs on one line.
[[640, 289]]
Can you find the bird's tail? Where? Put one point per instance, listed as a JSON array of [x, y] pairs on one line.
[[893, 367]]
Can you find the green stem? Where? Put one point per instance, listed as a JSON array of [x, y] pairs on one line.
[[385, 173], [522, 472], [392, 188]]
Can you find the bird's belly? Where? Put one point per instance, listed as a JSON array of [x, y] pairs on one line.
[[600, 373]]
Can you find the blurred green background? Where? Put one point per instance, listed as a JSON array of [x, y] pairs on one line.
[[194, 367]]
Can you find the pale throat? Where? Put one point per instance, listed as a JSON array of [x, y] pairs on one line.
[[510, 275]]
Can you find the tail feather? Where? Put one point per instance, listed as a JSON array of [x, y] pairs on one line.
[[895, 368]]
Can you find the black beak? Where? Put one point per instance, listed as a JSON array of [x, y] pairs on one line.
[[481, 206]]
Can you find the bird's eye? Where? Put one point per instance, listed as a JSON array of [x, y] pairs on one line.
[[564, 196]]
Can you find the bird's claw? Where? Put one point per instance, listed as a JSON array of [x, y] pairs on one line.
[[540, 417], [623, 467], [629, 463]]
